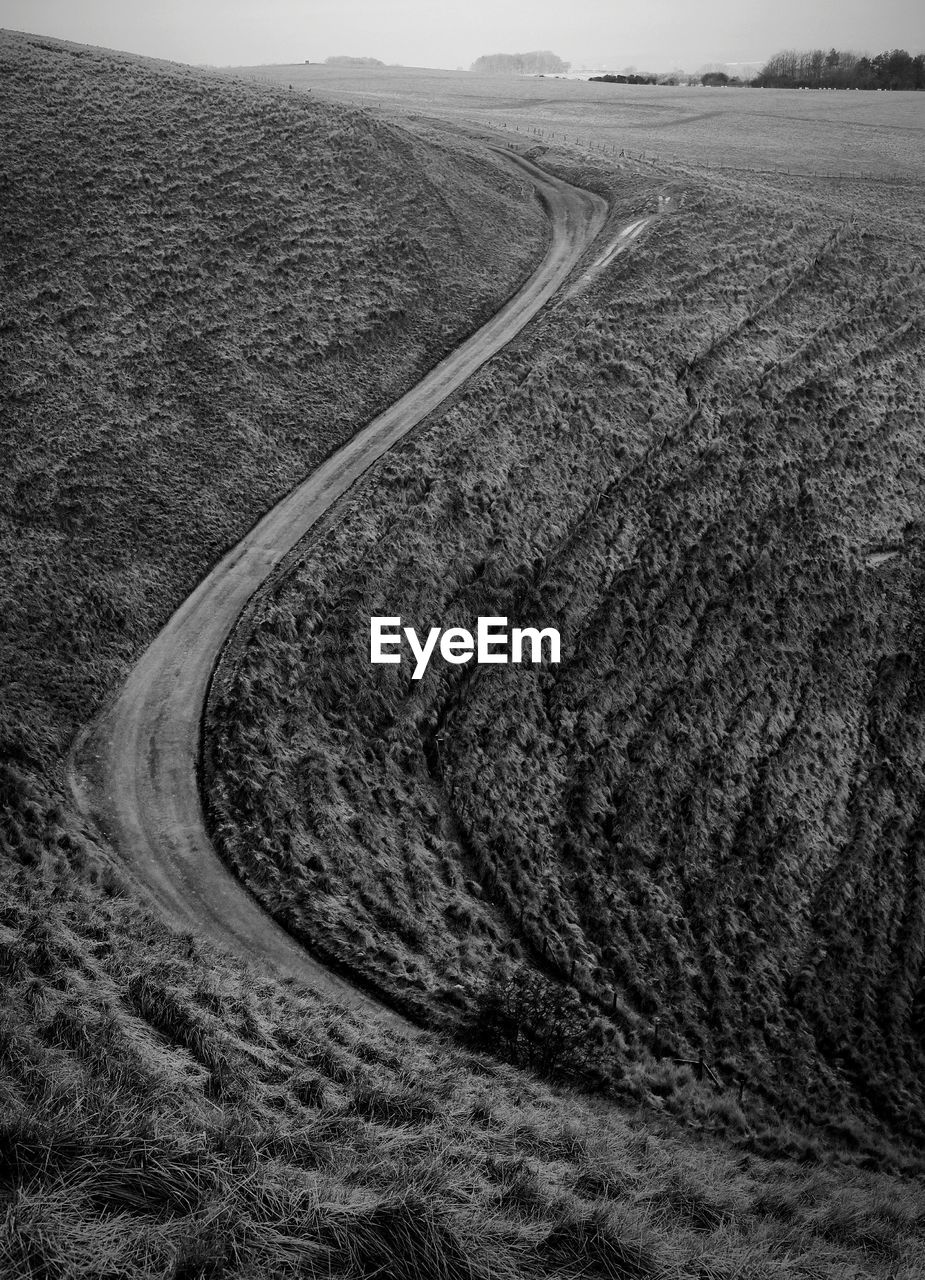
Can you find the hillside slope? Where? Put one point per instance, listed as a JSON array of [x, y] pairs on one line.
[[166, 1113], [164, 1110], [706, 471], [136, 773], [204, 287]]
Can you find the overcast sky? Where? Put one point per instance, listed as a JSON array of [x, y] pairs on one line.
[[651, 34]]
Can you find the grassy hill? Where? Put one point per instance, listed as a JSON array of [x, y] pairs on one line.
[[206, 285], [705, 470]]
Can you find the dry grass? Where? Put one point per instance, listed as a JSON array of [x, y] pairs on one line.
[[699, 813], [164, 1111], [204, 288], [348, 1150]]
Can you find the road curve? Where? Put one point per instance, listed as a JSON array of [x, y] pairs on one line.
[[135, 772]]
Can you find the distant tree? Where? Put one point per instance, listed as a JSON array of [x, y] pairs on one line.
[[816, 63], [715, 78], [626, 79], [342, 60], [539, 62], [896, 70]]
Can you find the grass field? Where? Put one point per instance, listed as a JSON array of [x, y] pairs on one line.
[[205, 285], [856, 133], [692, 469]]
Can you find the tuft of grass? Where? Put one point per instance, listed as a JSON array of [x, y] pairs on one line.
[[401, 1238], [695, 1204], [602, 1243]]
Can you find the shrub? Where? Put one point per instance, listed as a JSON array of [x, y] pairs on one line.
[[536, 1023]]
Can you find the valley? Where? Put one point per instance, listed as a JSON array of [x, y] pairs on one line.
[[607, 967]]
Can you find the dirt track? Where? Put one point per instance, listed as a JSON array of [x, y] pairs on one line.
[[135, 774]]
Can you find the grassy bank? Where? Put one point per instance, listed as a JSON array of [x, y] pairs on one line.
[[705, 470], [166, 1113], [206, 286]]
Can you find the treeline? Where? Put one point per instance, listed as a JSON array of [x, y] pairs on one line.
[[838, 69], [344, 60], [625, 79], [539, 62]]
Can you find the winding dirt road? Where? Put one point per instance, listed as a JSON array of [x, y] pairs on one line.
[[135, 772]]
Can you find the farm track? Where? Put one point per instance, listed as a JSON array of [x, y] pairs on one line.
[[134, 773]]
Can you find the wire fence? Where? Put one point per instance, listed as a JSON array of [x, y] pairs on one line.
[[584, 141], [658, 158]]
